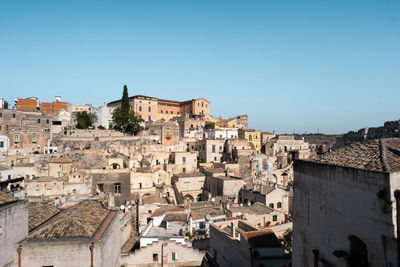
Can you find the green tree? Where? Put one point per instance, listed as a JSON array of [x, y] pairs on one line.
[[209, 125], [84, 120], [124, 120], [287, 240]]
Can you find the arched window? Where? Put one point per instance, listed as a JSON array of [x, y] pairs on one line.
[[279, 205]]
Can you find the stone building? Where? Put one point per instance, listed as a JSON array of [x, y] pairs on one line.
[[167, 131], [286, 148], [151, 108], [182, 162], [189, 127], [13, 227], [28, 131], [237, 151], [274, 197], [81, 108], [253, 137], [240, 122], [345, 206], [226, 186], [258, 215], [4, 144], [389, 129], [235, 243], [221, 133], [202, 215], [73, 237], [162, 242], [210, 150], [104, 116], [112, 183], [189, 185]]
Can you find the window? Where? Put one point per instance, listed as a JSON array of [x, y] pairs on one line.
[[33, 138], [16, 138], [1, 115], [184, 170], [54, 184], [174, 256], [155, 257], [250, 137], [73, 191], [149, 118], [271, 205], [215, 158], [168, 134], [279, 205], [274, 218], [140, 108], [9, 177], [213, 148], [117, 188], [184, 159], [1, 144], [149, 109], [38, 120], [47, 121], [13, 115]]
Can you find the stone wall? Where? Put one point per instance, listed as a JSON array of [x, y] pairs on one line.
[[13, 229], [332, 203], [185, 256]]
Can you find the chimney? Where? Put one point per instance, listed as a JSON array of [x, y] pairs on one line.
[[233, 229]]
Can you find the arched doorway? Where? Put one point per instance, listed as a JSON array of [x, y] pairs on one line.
[[188, 198], [199, 197], [358, 252], [115, 166]]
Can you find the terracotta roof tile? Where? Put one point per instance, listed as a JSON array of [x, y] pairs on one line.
[[374, 155], [6, 199], [262, 239], [82, 220], [40, 212]]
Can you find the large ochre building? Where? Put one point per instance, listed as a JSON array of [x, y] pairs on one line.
[[151, 108]]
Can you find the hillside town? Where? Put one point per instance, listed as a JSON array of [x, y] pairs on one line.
[[144, 181]]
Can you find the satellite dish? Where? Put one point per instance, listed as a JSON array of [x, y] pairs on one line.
[[241, 204], [213, 199], [239, 213], [208, 217], [244, 182], [164, 195], [122, 207], [129, 207]]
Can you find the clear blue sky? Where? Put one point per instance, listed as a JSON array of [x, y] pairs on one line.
[[290, 65]]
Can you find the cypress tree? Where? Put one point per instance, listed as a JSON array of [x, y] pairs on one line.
[[125, 100]]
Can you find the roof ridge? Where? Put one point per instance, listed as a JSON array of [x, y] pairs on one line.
[[382, 150]]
